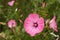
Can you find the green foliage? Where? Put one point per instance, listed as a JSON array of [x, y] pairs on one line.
[[25, 7]]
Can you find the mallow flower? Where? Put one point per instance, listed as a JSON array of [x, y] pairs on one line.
[[34, 24], [53, 24], [10, 3], [11, 23]]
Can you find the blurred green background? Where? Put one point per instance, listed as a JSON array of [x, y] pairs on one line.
[[24, 8]]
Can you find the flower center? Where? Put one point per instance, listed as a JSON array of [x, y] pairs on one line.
[[35, 25], [12, 24]]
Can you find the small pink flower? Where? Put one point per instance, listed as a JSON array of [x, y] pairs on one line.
[[33, 24], [53, 24], [12, 23], [11, 3]]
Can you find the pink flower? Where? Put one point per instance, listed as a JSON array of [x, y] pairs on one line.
[[11, 3], [33, 24], [12, 23], [53, 24]]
